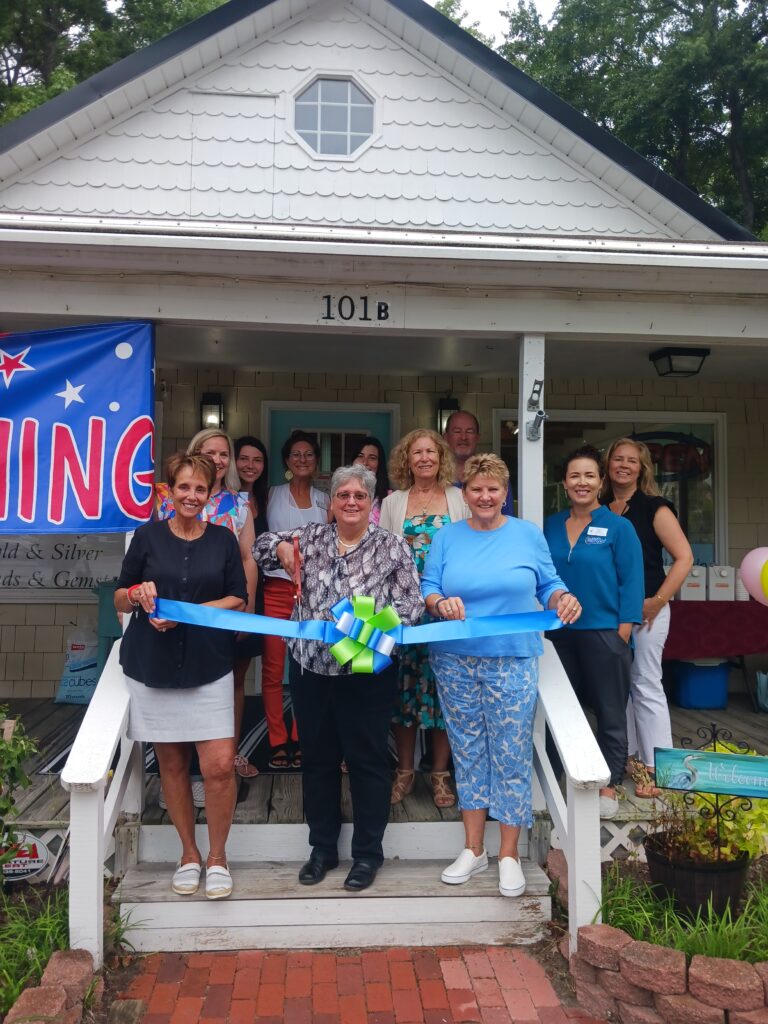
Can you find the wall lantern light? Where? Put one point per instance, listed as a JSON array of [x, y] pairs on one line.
[[445, 407], [211, 411], [678, 362]]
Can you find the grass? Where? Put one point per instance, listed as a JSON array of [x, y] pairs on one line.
[[629, 904], [33, 927]]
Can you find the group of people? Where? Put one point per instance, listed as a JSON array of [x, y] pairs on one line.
[[434, 538]]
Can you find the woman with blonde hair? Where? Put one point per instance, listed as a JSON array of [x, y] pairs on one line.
[[630, 490], [227, 507], [422, 467], [491, 564]]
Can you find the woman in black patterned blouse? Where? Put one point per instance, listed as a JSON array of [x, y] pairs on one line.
[[341, 715]]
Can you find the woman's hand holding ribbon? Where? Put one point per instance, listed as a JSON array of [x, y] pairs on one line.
[[567, 606]]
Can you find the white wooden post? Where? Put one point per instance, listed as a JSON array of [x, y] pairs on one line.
[[530, 465], [86, 871], [530, 453], [583, 854]]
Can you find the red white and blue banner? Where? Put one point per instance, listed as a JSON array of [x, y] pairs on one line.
[[76, 429]]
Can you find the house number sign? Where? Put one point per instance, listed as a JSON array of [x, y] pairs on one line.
[[354, 307]]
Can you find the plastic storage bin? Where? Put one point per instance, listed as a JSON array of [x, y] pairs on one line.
[[702, 684]]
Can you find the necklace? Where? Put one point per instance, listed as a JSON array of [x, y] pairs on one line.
[[186, 536], [426, 501], [351, 544]]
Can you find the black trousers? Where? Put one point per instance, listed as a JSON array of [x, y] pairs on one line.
[[345, 718], [598, 663]]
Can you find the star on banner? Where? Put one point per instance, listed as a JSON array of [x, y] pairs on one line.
[[13, 364], [71, 394]]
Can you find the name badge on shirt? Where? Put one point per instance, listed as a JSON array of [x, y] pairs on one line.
[[596, 535]]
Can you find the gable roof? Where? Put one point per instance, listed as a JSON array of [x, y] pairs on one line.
[[93, 100]]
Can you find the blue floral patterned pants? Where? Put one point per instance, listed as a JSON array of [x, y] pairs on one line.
[[488, 705]]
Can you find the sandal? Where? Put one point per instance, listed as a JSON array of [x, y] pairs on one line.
[[279, 758], [296, 759], [645, 781], [442, 794], [403, 784], [244, 768]]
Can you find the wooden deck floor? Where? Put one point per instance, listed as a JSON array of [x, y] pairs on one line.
[[277, 799]]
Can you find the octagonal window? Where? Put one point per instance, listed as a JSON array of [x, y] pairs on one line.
[[334, 117]]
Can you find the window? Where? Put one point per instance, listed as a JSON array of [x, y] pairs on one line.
[[686, 452], [334, 117]]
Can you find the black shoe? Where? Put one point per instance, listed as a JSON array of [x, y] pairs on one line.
[[361, 875], [316, 868]]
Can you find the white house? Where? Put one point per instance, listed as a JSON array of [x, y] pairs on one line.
[[338, 212]]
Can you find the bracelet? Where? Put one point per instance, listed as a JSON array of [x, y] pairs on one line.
[[437, 604], [136, 586], [660, 598]]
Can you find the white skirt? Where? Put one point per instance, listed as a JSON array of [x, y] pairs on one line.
[[160, 715]]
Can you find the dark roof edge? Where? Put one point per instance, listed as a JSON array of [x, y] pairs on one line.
[[136, 64], [570, 118]]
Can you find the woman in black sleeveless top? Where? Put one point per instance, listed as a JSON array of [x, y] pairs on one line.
[[630, 490]]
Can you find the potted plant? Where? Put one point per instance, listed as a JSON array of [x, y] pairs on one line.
[[699, 845], [15, 748]]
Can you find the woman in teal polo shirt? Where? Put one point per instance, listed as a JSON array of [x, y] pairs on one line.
[[598, 556]]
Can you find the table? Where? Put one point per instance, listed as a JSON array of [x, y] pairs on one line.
[[717, 629]]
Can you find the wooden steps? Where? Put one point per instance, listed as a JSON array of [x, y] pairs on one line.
[[407, 905]]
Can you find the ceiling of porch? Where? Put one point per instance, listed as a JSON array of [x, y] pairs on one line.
[[394, 352]]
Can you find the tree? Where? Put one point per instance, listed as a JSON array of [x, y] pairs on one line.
[[683, 82], [47, 46], [452, 9]]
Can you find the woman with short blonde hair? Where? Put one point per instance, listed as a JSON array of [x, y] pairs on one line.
[[422, 466]]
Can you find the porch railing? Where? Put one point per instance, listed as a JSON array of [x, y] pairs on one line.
[[576, 816], [99, 795]]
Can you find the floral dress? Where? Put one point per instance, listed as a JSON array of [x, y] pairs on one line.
[[418, 704], [226, 508]]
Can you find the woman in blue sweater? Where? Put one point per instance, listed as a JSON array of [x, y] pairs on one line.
[[600, 558], [490, 564]]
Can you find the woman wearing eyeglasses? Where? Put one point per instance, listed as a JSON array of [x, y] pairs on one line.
[[290, 507], [343, 715]]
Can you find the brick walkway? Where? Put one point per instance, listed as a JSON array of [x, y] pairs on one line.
[[490, 985]]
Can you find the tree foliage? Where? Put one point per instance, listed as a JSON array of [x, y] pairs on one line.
[[453, 9], [683, 82], [47, 46]]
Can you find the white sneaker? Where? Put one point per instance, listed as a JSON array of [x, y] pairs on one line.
[[464, 867], [511, 877], [198, 795], [609, 807], [186, 879]]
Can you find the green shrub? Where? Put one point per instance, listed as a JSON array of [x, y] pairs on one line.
[[629, 904], [33, 927]]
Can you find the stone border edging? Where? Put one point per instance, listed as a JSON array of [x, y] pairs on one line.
[[618, 978], [58, 999]]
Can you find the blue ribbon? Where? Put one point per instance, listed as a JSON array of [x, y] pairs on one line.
[[326, 632]]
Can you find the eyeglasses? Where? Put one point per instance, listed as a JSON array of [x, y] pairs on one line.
[[358, 496], [302, 456]]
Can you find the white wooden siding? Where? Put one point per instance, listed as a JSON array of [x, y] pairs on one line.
[[219, 146]]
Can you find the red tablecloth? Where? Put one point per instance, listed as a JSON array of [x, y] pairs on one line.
[[716, 629]]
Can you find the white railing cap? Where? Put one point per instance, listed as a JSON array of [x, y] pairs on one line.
[[582, 760], [94, 748]]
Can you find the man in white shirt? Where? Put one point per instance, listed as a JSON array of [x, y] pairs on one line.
[[462, 433]]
